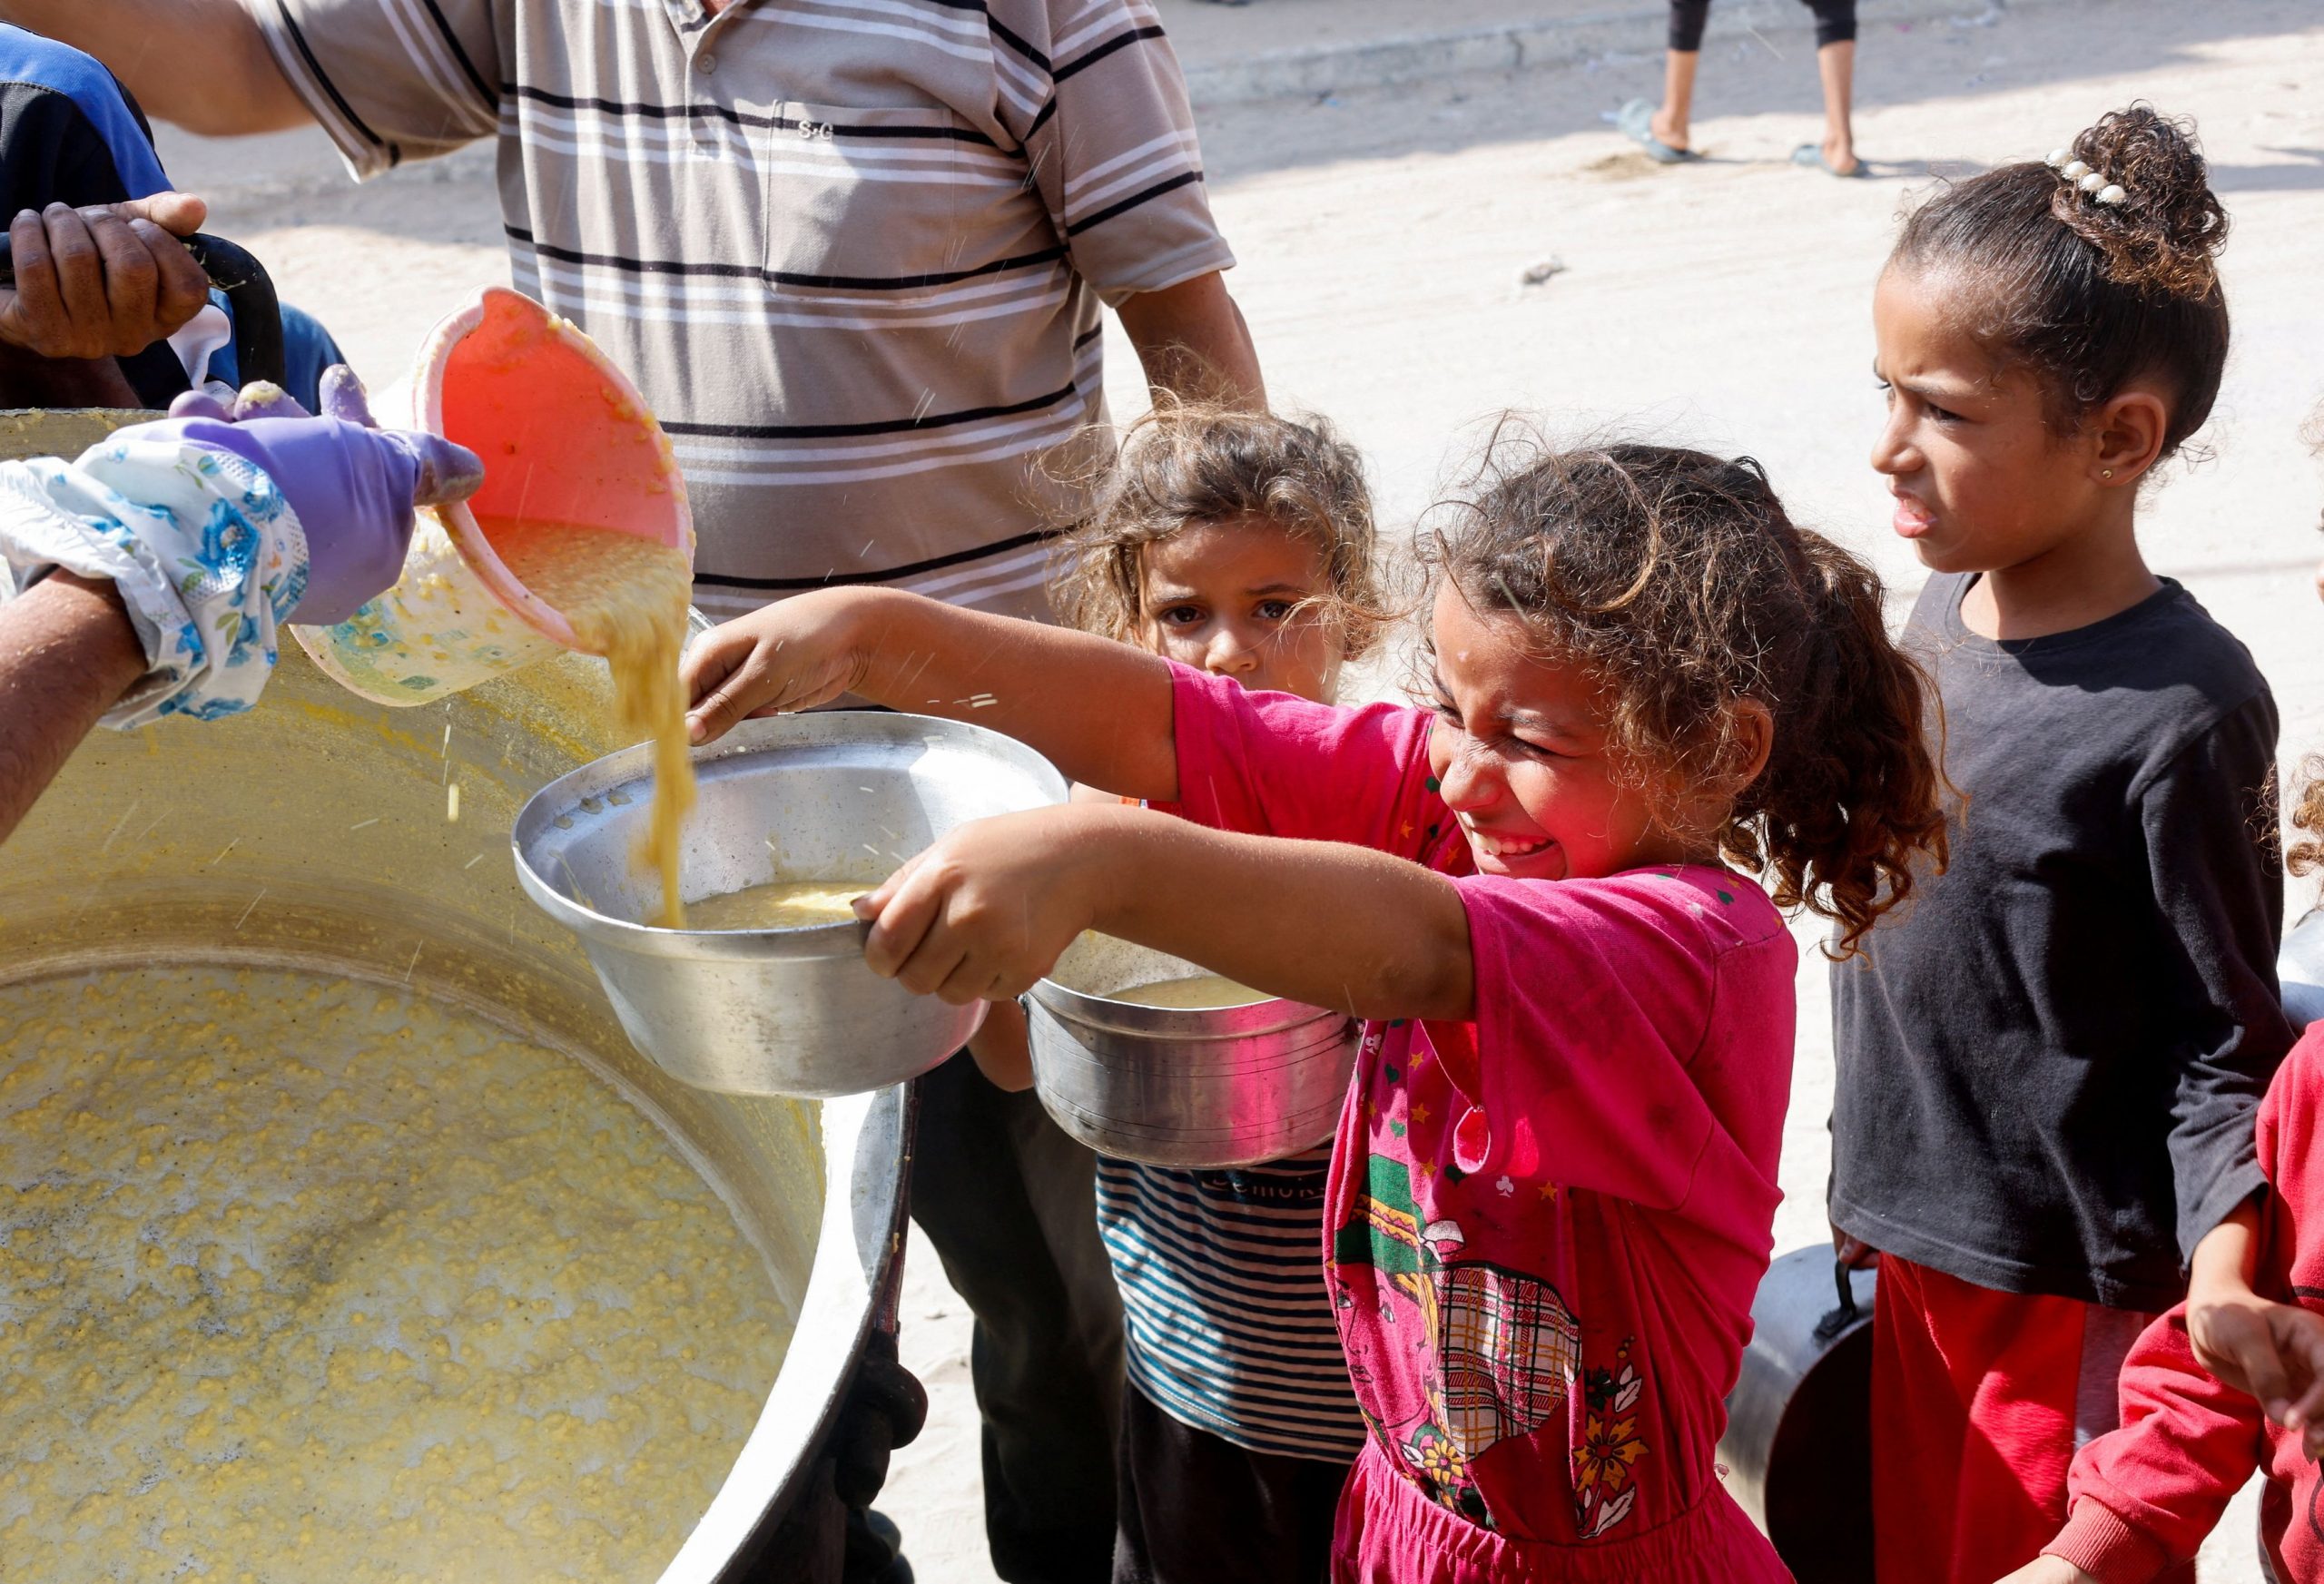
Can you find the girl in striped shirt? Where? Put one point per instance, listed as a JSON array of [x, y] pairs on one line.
[[1241, 545]]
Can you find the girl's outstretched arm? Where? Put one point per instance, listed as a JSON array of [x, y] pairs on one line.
[[987, 911], [1100, 711]]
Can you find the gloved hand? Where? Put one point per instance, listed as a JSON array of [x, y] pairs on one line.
[[352, 484]]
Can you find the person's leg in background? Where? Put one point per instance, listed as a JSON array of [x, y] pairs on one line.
[[1048, 1432], [1197, 1509], [1836, 65], [1979, 1399], [1672, 123], [1061, 1177]]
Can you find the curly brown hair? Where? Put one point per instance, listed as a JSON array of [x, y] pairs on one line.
[[2307, 856], [2093, 295], [1676, 579], [1185, 464]]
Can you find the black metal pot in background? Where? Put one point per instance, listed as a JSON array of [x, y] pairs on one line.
[[1799, 1445]]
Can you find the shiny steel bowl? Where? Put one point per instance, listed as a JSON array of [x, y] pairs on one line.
[[1205, 1088], [839, 796]]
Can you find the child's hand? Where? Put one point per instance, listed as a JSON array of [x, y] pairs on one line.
[[2050, 1570], [2271, 1351], [788, 656], [1853, 1252], [985, 911]]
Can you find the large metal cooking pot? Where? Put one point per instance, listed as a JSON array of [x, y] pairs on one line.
[[315, 831], [1797, 1449]]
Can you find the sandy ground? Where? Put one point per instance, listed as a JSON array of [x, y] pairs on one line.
[[1383, 236]]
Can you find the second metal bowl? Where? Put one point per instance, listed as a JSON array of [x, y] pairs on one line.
[[843, 796], [1204, 1088]]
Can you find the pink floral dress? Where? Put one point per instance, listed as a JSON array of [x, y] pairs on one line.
[[1545, 1227]]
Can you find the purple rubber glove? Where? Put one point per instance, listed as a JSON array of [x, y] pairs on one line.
[[353, 483]]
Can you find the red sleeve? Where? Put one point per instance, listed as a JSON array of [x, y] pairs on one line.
[[1270, 764], [2146, 1495], [1637, 1035]]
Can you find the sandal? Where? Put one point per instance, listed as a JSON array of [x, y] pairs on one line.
[[1635, 121], [1812, 154]]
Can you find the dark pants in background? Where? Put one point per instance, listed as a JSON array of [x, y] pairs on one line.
[[1010, 1203], [1834, 23], [1197, 1509]]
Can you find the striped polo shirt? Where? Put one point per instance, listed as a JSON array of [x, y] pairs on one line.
[[852, 252], [1227, 1323]]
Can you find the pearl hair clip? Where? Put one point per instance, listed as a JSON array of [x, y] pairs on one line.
[[2084, 179]]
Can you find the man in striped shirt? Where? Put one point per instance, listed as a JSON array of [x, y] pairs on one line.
[[854, 253]]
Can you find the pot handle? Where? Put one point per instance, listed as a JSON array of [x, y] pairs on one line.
[[1846, 1314], [258, 314]]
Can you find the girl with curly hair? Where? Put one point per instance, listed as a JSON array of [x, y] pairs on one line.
[[1241, 545], [2048, 1069], [1552, 1196]]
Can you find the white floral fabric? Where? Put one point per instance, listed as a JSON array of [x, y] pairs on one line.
[[207, 554]]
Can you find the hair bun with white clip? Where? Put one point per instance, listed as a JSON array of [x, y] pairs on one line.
[[2134, 186]]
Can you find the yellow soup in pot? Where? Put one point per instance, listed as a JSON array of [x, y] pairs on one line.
[[1193, 993], [781, 905], [304, 1279]]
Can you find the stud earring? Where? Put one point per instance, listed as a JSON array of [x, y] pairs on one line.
[[2105, 473]]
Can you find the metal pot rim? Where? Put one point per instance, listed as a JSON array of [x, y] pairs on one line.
[[1270, 1016], [629, 770]]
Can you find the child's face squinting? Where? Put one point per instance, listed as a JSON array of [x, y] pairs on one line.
[[1520, 752], [1981, 483], [1231, 598]]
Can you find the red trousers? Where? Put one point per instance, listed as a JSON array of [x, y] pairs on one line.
[[1979, 1399]]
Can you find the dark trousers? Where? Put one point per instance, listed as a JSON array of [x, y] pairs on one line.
[[1197, 1509], [1834, 23], [1010, 1203]]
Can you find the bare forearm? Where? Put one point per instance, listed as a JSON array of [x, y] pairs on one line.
[[1001, 1049], [1101, 712], [2227, 1258], [67, 654], [1192, 342], [202, 63], [1322, 922]]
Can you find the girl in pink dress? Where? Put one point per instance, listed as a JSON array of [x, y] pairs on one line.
[[1554, 1180]]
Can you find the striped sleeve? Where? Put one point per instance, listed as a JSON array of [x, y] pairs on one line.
[[389, 80], [1093, 91]]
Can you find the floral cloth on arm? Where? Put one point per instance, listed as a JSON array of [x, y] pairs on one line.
[[1545, 1227], [207, 554]]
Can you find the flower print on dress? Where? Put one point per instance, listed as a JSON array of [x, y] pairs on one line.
[[1502, 1348], [1606, 1458], [1433, 1462]]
